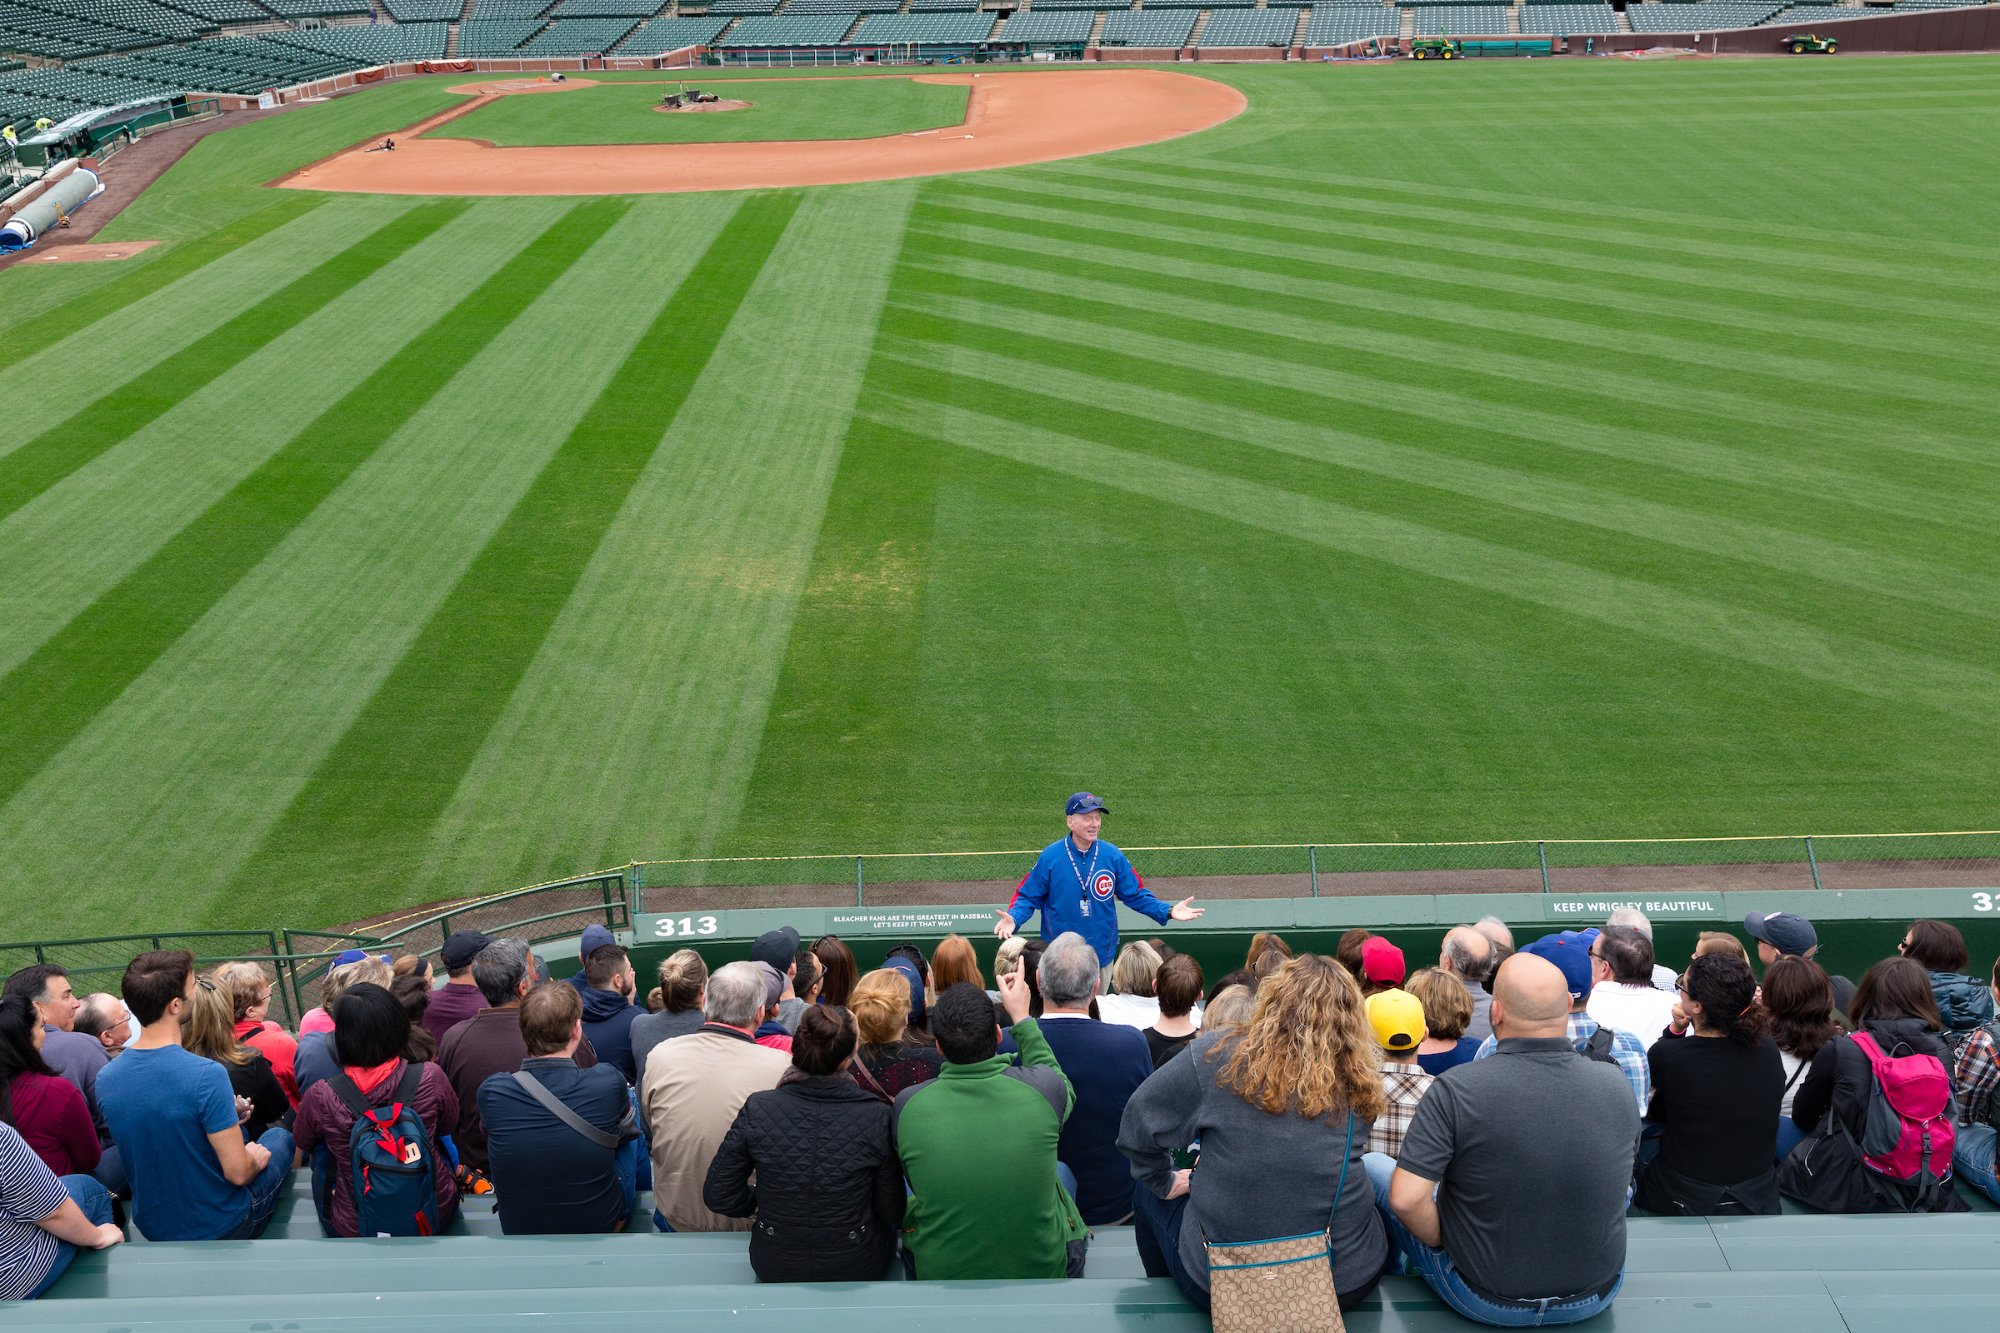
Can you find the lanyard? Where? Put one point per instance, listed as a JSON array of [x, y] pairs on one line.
[[1083, 877]]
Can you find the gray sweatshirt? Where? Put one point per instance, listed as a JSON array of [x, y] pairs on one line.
[[1259, 1176]]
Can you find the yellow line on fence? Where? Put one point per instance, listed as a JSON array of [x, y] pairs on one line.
[[1329, 846]]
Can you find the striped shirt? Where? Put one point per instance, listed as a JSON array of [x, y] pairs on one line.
[[1626, 1049], [29, 1192]]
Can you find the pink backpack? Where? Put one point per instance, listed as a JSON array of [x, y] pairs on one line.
[[1907, 1132]]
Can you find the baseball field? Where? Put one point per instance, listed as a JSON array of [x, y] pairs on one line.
[[1552, 448]]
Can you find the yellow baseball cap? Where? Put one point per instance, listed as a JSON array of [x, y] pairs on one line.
[[1398, 1019]]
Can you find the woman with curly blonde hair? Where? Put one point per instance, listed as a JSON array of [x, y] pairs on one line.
[[1281, 1105]]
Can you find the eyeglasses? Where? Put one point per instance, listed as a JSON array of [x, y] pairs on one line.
[[1681, 983], [205, 984], [1903, 948]]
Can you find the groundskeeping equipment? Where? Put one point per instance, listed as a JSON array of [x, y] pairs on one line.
[[1435, 48], [47, 209], [1805, 43]]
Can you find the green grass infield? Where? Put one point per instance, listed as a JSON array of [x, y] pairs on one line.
[[780, 109], [1498, 449]]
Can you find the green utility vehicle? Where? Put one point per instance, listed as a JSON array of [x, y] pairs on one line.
[[1800, 43], [1435, 48]]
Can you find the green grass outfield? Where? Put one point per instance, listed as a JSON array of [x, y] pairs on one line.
[[780, 108], [1566, 448]]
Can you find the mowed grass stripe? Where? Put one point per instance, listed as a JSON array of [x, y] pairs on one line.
[[1060, 392], [198, 759], [149, 274], [54, 693], [1725, 246], [1776, 643], [1607, 382], [1743, 576], [391, 775], [1560, 267], [139, 336], [1759, 324], [1008, 255], [1241, 366], [62, 449], [698, 583]]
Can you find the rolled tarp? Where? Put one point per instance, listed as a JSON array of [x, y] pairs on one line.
[[58, 200]]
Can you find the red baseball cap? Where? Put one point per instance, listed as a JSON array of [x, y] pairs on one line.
[[1382, 962]]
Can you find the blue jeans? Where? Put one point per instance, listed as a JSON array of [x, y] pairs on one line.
[[626, 1165], [1441, 1275], [268, 1187], [95, 1201], [111, 1173], [1790, 1136], [1972, 1158]]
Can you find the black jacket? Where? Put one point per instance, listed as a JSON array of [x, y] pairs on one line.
[[828, 1196]]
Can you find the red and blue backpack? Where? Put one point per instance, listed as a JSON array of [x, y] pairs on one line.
[[392, 1160]]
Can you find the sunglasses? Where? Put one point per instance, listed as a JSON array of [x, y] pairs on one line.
[[1681, 983]]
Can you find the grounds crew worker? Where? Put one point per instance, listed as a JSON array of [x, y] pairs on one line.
[[1078, 882]]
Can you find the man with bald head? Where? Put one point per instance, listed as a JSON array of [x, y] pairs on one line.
[[1468, 955], [1537, 1132]]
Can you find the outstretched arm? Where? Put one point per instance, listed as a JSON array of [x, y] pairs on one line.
[[1030, 896]]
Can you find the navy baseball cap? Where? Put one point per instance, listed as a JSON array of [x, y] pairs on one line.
[[1783, 931], [1569, 951], [1083, 803]]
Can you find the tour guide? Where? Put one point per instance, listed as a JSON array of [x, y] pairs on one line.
[[1078, 882]]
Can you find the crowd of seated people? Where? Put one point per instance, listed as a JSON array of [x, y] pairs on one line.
[[855, 1120]]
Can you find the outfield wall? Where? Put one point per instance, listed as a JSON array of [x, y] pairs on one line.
[[1856, 929]]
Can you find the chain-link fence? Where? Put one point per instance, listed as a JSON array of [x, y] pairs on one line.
[[1299, 870], [298, 960]]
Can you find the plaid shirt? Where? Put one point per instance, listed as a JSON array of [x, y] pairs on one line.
[[1405, 1086], [1976, 1078], [1626, 1049]]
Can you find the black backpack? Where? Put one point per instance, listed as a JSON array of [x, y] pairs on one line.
[[392, 1161], [1597, 1046]]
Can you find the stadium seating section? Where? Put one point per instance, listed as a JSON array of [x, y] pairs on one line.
[[495, 37], [1462, 21], [742, 6], [507, 9], [576, 37], [961, 5], [1704, 17], [943, 29], [300, 9], [843, 6], [1562, 20], [671, 35], [1148, 27], [600, 9], [784, 30], [1041, 26], [1077, 4], [1250, 27], [1332, 25], [422, 11]]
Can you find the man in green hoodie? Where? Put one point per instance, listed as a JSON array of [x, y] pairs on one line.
[[978, 1145]]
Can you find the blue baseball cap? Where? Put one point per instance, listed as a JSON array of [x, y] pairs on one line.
[[1569, 951], [1083, 803], [347, 956]]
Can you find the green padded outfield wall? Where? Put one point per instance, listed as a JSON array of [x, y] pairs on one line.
[[1855, 928]]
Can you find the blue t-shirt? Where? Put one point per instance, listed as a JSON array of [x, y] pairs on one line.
[[161, 1106], [1460, 1054], [1080, 891]]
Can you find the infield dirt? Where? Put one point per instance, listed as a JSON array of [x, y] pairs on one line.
[[1011, 120]]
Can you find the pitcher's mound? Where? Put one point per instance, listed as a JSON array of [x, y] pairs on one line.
[[704, 106], [87, 253]]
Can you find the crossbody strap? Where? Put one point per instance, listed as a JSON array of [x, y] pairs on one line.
[[1795, 1074], [1346, 1150], [554, 1105], [861, 1068]]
